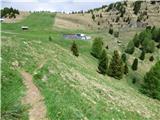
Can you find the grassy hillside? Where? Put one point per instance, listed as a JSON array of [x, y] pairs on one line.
[[71, 87]]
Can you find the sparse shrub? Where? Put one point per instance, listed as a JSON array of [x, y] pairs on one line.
[[74, 49], [151, 58], [135, 64], [103, 63], [151, 86], [97, 47], [130, 48], [116, 66]]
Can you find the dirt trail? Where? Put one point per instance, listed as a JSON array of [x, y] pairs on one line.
[[33, 98]]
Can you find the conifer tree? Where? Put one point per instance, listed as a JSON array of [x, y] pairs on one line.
[[151, 58], [126, 69], [103, 63], [135, 64], [124, 57], [93, 17], [130, 48], [142, 56], [74, 49], [151, 86], [116, 66], [136, 41], [97, 47]]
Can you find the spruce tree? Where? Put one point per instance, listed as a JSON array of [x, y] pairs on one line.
[[93, 17], [135, 64], [74, 49], [126, 69], [116, 66], [130, 48], [151, 86], [97, 47], [103, 63], [124, 57], [136, 41], [142, 56]]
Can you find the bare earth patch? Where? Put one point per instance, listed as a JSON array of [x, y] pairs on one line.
[[18, 18], [34, 99]]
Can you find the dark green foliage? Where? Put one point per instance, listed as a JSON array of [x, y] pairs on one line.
[[145, 34], [101, 15], [126, 70], [117, 19], [97, 47], [136, 41], [93, 17], [151, 58], [155, 34], [135, 64], [148, 45], [158, 46], [142, 56], [111, 31], [137, 6], [50, 38], [103, 63], [74, 49], [124, 57], [151, 86], [9, 12], [116, 66], [134, 80], [98, 23], [130, 48]]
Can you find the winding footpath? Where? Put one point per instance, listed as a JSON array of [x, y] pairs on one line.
[[34, 98]]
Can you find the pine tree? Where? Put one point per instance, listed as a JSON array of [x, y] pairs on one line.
[[130, 48], [135, 64], [126, 69], [103, 63], [124, 57], [97, 47], [142, 56], [136, 41], [116, 66], [74, 49], [151, 86], [148, 45], [111, 31], [93, 17]]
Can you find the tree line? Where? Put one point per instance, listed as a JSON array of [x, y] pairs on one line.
[[9, 12], [117, 66]]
